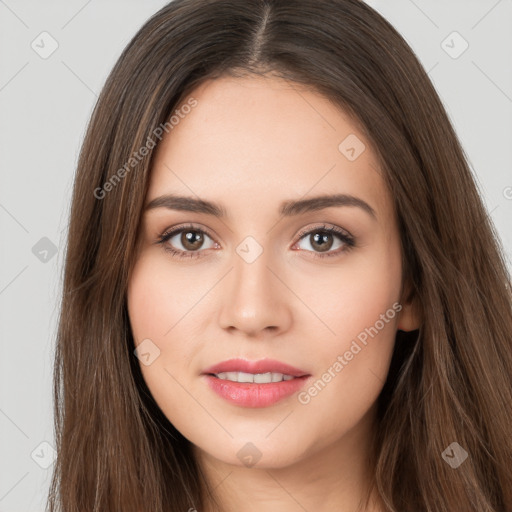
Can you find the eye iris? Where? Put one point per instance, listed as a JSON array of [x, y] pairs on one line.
[[323, 242], [191, 240]]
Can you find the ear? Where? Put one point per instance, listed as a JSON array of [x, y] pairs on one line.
[[409, 317]]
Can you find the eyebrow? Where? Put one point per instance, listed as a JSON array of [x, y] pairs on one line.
[[286, 209]]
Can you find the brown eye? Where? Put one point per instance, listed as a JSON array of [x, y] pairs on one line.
[[322, 239], [186, 241], [191, 240]]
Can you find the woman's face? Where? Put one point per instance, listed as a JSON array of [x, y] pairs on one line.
[[266, 280]]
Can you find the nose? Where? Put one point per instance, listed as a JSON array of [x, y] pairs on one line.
[[254, 300]]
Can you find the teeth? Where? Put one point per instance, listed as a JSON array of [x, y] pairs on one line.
[[262, 378], [258, 378]]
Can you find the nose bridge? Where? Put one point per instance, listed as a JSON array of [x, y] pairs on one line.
[[254, 299]]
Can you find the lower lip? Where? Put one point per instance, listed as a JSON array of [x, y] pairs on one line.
[[248, 394]]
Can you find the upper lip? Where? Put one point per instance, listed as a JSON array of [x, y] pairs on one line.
[[261, 366]]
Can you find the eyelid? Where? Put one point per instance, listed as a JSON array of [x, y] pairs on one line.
[[326, 227], [181, 227]]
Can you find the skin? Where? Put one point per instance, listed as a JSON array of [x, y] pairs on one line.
[[249, 144]]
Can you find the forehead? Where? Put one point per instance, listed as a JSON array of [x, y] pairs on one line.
[[264, 139]]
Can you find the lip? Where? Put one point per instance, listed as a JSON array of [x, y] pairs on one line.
[[247, 394]]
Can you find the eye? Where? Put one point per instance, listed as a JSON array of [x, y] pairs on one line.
[[321, 240], [190, 238]]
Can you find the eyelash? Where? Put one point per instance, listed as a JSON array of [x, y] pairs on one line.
[[347, 239]]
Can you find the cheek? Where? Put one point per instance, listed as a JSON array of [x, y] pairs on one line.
[[353, 296], [154, 310], [359, 308], [162, 306], [159, 297]]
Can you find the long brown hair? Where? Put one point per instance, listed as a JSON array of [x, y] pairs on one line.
[[450, 381]]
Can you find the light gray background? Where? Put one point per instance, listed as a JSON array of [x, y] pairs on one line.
[[45, 105]]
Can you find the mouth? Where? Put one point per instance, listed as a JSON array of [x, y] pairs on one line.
[[254, 383], [246, 369], [256, 378]]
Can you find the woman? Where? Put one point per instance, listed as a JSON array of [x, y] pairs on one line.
[[282, 290]]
